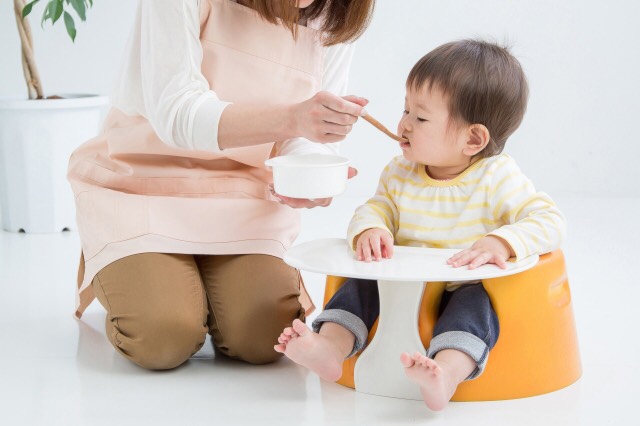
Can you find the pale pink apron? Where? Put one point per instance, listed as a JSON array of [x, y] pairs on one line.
[[135, 194]]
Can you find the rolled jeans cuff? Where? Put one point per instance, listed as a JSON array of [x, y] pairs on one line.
[[463, 342], [349, 321]]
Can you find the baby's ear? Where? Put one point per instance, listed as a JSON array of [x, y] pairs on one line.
[[477, 139]]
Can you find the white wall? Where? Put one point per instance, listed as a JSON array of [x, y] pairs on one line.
[[581, 57]]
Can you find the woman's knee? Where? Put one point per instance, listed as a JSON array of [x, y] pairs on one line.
[[253, 352], [253, 298], [157, 344], [156, 308], [251, 337]]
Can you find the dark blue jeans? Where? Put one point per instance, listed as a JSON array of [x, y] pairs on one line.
[[466, 320]]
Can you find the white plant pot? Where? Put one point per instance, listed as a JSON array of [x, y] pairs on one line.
[[37, 138]]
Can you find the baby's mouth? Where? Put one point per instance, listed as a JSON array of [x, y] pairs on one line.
[[406, 144]]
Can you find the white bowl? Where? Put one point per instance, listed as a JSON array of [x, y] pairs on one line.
[[309, 175]]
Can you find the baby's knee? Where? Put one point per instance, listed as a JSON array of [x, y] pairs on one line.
[[159, 344]]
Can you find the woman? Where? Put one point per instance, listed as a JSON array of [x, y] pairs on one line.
[[180, 232]]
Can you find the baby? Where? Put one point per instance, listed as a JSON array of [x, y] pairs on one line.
[[451, 188]]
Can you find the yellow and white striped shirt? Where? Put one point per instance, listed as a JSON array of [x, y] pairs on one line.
[[491, 197]]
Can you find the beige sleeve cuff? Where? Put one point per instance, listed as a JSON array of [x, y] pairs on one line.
[[513, 240]]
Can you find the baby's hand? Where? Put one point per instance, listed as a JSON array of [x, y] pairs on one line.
[[376, 242], [487, 249]]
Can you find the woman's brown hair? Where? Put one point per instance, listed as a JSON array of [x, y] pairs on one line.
[[342, 20], [484, 84]]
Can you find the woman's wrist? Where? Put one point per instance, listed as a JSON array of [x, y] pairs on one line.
[[290, 121], [247, 125]]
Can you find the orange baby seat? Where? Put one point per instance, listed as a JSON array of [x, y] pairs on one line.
[[537, 351]]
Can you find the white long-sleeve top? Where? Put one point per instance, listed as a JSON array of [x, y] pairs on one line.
[[161, 79], [491, 197]]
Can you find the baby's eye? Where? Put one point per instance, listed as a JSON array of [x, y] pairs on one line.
[[422, 119]]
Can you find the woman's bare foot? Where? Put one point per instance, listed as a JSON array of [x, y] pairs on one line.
[[436, 388], [315, 351]]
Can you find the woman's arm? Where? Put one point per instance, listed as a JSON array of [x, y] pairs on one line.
[[324, 118], [161, 78], [163, 81], [337, 62], [335, 77]]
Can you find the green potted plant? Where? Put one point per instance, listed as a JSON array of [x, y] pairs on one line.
[[38, 133]]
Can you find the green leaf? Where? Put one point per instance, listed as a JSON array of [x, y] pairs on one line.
[[71, 26], [55, 10], [27, 9], [79, 7], [45, 15]]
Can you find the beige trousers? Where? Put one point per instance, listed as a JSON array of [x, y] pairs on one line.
[[160, 307]]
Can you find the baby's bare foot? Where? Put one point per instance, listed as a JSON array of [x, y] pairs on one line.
[[430, 377], [311, 350]]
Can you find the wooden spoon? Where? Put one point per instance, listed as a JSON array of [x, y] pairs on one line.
[[383, 129]]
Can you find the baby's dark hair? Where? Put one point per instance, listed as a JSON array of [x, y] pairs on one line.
[[484, 83]]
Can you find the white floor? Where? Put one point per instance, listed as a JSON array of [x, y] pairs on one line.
[[55, 370]]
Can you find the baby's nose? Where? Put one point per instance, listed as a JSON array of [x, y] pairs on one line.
[[404, 124]]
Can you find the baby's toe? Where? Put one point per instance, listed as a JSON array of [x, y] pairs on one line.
[[406, 360], [288, 331]]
